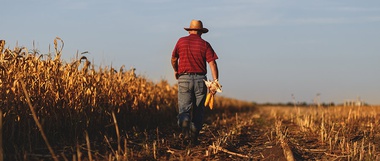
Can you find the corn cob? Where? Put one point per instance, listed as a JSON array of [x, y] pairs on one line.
[[211, 104], [207, 99]]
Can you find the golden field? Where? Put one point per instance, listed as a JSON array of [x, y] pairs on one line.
[[57, 110], [46, 102]]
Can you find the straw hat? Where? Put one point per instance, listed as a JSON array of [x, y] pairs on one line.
[[196, 25]]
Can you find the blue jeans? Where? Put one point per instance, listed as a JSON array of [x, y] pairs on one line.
[[191, 97]]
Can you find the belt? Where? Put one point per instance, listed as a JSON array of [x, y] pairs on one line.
[[192, 74]]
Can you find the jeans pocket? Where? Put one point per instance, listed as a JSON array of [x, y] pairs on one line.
[[201, 87], [183, 87]]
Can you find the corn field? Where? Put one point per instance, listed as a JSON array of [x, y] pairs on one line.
[[334, 133], [49, 103], [57, 110]]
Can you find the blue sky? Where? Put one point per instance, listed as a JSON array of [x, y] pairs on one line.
[[268, 49]]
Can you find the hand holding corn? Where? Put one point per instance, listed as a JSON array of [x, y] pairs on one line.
[[213, 87]]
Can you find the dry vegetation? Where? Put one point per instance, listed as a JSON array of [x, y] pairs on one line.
[[58, 110], [52, 110], [333, 133]]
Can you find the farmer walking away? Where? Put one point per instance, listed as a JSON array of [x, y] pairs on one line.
[[189, 59]]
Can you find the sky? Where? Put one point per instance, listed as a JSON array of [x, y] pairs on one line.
[[269, 50]]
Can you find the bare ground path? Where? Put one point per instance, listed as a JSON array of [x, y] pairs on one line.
[[239, 136], [266, 133], [246, 135], [282, 133]]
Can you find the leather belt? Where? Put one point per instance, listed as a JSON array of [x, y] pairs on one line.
[[192, 74]]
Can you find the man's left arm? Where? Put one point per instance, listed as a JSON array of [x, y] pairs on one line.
[[175, 66]]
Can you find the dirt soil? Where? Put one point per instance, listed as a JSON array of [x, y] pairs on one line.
[[238, 136], [228, 136], [250, 135]]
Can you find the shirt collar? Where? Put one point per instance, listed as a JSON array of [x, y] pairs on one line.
[[194, 35]]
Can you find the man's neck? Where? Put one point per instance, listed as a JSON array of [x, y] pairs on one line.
[[195, 32]]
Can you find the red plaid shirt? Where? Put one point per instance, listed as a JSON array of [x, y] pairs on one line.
[[193, 52]]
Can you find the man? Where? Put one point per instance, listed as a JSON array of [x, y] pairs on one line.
[[189, 59]]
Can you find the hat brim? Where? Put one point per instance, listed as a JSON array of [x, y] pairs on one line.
[[204, 30]]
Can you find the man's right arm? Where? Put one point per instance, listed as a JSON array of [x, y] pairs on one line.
[[214, 72], [214, 69]]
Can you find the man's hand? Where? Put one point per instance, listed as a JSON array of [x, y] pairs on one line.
[[213, 86], [176, 75]]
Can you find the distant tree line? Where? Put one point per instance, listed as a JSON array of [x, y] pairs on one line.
[[298, 104]]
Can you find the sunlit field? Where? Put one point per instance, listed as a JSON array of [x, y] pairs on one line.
[[329, 133], [57, 110]]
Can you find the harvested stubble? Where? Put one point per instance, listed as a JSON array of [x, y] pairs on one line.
[[73, 99], [348, 133]]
